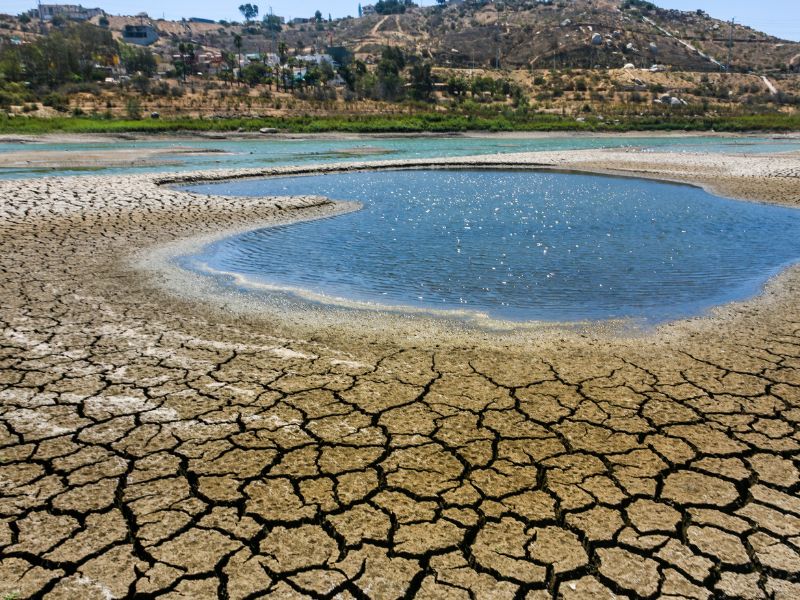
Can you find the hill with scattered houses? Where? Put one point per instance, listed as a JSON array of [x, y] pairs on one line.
[[561, 33], [513, 34], [571, 58]]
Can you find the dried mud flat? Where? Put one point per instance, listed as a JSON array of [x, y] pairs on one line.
[[157, 446]]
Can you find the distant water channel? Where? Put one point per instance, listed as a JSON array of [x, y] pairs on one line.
[[516, 245], [187, 153]]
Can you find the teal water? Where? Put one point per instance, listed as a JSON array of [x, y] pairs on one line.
[[517, 245], [276, 152]]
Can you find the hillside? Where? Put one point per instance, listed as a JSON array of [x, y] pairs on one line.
[[515, 34], [618, 61], [528, 34]]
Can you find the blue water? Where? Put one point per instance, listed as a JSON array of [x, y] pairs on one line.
[[517, 245], [280, 151]]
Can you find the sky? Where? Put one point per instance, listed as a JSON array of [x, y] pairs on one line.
[[777, 17]]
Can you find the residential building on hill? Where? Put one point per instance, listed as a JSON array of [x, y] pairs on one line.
[[75, 12], [141, 35]]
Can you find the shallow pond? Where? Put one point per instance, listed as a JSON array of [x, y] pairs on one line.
[[517, 245]]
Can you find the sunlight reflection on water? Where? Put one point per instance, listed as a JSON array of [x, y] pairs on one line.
[[516, 245]]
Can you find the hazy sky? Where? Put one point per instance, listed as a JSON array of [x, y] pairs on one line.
[[778, 17]]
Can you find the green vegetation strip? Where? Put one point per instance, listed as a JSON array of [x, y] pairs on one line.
[[417, 123]]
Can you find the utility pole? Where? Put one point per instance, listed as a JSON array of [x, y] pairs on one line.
[[497, 60], [272, 27], [41, 19], [730, 44]]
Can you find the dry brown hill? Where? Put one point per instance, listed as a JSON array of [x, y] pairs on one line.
[[577, 33], [515, 34]]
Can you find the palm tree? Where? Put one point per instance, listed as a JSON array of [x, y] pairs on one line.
[[187, 52], [237, 41], [230, 62], [283, 51]]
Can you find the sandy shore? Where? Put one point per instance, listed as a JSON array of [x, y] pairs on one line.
[[30, 157], [81, 158], [152, 443]]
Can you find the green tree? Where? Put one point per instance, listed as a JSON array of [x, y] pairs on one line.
[[457, 86], [391, 7], [249, 11], [65, 55], [272, 23], [10, 66], [421, 81], [136, 59], [133, 108], [389, 82], [255, 73]]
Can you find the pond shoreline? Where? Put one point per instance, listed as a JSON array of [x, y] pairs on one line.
[[410, 208], [685, 170]]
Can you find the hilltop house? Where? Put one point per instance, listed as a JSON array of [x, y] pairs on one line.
[[142, 35], [75, 12]]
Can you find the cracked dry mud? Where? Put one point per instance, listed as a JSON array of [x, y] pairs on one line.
[[152, 446]]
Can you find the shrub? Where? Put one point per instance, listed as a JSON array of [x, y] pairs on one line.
[[133, 108], [57, 101]]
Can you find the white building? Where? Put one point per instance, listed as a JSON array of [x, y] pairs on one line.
[[268, 58], [315, 59], [75, 12]]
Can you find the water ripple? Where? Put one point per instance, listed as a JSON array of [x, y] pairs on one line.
[[516, 245]]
